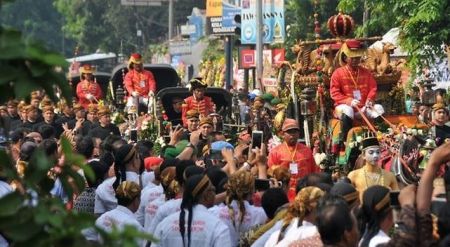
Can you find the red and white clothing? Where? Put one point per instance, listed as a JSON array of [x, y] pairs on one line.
[[167, 208], [105, 196], [141, 82], [292, 233], [85, 88], [206, 230], [349, 84], [118, 217], [299, 160], [204, 106], [148, 194], [253, 216], [346, 83]]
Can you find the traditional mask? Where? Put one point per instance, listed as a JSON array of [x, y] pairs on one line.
[[372, 155]]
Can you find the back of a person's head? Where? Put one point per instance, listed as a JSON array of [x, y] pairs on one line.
[[117, 144], [333, 219], [16, 136], [144, 147], [218, 177], [313, 179], [272, 200], [126, 192], [50, 146], [26, 150], [47, 131], [100, 170], [85, 147], [107, 143], [193, 170], [181, 167]]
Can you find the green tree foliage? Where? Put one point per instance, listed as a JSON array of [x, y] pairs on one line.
[[30, 216], [110, 26], [300, 19], [424, 26], [38, 20]]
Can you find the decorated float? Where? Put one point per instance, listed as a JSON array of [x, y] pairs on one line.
[[308, 81]]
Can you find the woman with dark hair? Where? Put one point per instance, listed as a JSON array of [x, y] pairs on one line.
[[238, 214], [128, 197], [183, 171], [299, 221], [171, 191], [375, 216], [194, 225], [126, 168]]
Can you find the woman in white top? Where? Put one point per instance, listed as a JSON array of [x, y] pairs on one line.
[[194, 225], [300, 218], [376, 216], [238, 214], [126, 167], [171, 191], [128, 197]]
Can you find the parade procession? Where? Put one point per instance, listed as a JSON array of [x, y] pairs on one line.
[[225, 123]]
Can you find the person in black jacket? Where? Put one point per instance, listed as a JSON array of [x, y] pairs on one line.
[[105, 127]]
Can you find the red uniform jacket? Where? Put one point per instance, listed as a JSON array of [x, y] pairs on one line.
[[85, 87], [344, 83], [282, 155], [204, 107], [142, 83]]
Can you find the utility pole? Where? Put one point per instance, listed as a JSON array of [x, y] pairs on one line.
[[259, 44], [170, 19]]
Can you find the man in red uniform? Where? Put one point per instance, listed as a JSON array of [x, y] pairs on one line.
[[139, 83], [198, 101], [88, 90], [353, 87], [295, 156]]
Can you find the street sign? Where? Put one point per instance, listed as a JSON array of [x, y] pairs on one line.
[[228, 12], [248, 57], [142, 2], [273, 22], [214, 26], [182, 47], [188, 29]]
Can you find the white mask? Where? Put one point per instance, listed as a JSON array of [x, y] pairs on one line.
[[372, 155]]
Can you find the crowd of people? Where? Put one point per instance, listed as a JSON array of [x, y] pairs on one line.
[[201, 189]]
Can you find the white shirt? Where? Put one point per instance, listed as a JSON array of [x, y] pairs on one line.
[[148, 194], [150, 212], [380, 238], [5, 189], [253, 216], [147, 179], [105, 196], [119, 217], [292, 233], [206, 230], [168, 208], [261, 241]]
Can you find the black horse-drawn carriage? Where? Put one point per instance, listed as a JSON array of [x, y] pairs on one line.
[[168, 87]]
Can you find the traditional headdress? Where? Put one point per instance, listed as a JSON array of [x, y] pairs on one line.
[[192, 114], [135, 58], [197, 82], [353, 48], [128, 190], [369, 140], [87, 69]]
